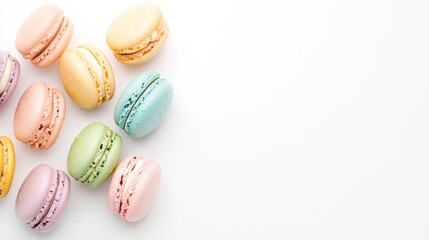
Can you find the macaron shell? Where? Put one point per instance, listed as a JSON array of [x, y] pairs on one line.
[[13, 79], [30, 111], [78, 80], [32, 193], [152, 108], [133, 25], [57, 47], [7, 165], [84, 148], [35, 27]]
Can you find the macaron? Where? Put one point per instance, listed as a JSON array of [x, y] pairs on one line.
[[9, 76], [143, 104], [42, 198], [138, 33], [7, 165], [39, 116], [87, 76], [134, 187], [44, 35], [94, 154]]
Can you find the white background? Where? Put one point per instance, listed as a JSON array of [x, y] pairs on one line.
[[290, 120]]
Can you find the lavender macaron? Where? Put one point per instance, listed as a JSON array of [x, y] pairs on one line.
[[9, 76], [42, 198]]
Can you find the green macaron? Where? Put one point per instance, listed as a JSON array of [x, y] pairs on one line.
[[94, 154]]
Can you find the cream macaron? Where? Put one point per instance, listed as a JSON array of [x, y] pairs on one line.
[[138, 33], [87, 76]]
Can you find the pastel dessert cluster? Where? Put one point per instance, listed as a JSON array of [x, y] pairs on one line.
[[135, 36]]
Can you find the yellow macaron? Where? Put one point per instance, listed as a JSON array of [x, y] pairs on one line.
[[87, 76], [138, 33], [7, 165]]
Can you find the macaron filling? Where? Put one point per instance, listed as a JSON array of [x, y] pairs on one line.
[[6, 75], [146, 45], [131, 108], [100, 158], [98, 69]]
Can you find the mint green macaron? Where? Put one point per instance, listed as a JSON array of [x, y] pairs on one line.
[[143, 104], [94, 154]]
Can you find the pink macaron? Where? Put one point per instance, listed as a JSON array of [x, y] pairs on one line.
[[44, 35], [39, 116], [42, 198], [9, 76], [134, 187]]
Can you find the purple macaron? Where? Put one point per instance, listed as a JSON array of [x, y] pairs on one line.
[[9, 76], [42, 198]]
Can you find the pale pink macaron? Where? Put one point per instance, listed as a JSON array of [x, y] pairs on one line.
[[44, 35], [39, 115], [42, 198], [134, 187]]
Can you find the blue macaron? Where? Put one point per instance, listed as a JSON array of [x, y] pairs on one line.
[[143, 104]]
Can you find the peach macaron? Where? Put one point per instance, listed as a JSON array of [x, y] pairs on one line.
[[44, 35], [39, 115]]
